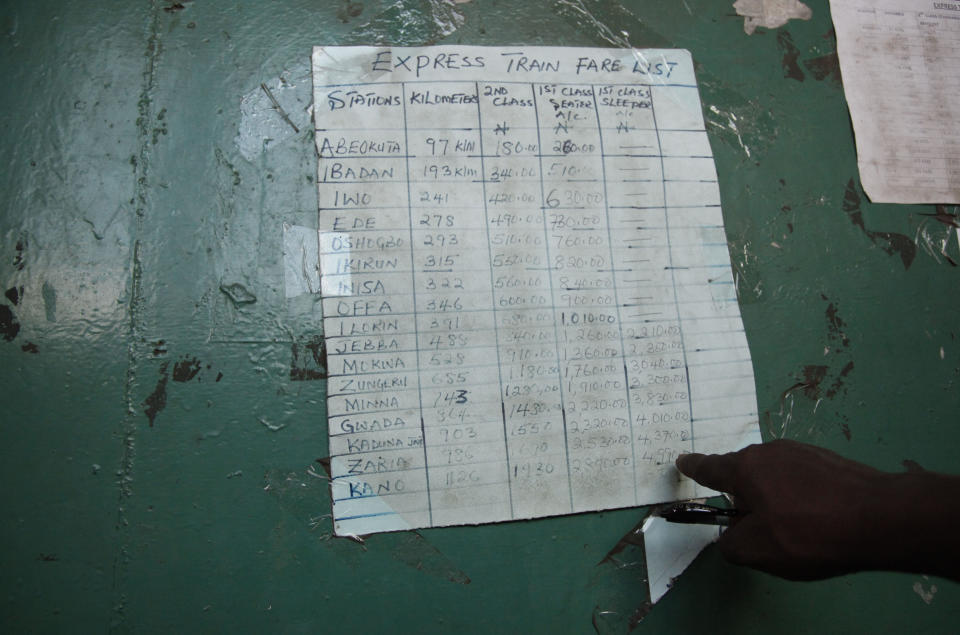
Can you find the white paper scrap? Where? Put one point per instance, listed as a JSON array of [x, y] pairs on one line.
[[770, 14], [669, 548], [900, 62], [528, 303]]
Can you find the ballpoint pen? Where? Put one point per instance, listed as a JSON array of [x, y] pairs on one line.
[[692, 512]]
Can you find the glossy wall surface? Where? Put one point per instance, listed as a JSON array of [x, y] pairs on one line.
[[163, 401]]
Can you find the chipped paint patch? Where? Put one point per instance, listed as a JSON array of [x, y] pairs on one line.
[[9, 325], [770, 14], [825, 67], [791, 69], [157, 400]]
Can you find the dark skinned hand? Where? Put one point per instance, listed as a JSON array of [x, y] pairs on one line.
[[808, 513]]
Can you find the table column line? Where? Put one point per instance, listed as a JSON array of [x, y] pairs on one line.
[[413, 276], [673, 275], [553, 299], [493, 303], [616, 296]]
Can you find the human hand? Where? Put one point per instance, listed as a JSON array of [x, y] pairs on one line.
[[806, 512]]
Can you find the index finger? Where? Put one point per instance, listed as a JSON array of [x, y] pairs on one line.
[[716, 471]]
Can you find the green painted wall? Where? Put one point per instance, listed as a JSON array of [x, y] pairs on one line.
[[159, 438]]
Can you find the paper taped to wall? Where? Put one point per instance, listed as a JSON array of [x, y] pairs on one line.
[[528, 300], [899, 60]]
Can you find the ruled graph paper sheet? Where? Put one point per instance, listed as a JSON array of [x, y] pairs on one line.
[[528, 303]]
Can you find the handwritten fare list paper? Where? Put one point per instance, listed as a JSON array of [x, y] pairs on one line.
[[527, 296]]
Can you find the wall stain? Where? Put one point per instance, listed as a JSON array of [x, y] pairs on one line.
[[157, 401], [14, 294], [9, 325], [825, 67], [308, 359], [349, 10], [186, 369], [838, 383], [835, 325], [159, 348], [161, 128], [895, 243], [845, 428], [791, 54], [813, 375], [222, 160], [30, 347], [19, 259]]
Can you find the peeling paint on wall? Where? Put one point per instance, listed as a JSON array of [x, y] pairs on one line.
[[770, 14]]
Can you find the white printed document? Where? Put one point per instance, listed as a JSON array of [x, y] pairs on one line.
[[900, 61], [528, 303]]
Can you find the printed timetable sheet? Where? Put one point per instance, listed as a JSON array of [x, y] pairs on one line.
[[528, 303], [900, 61]]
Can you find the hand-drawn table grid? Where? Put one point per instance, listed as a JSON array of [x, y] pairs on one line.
[[528, 300]]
